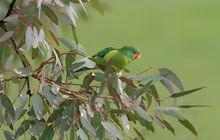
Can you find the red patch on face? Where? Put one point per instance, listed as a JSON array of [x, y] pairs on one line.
[[137, 56]]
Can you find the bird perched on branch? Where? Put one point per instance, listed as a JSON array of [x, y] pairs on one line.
[[119, 57]]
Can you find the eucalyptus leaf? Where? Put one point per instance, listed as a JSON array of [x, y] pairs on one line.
[[48, 133], [81, 134], [37, 103], [6, 103], [180, 94], [112, 129], [22, 128], [171, 76], [143, 114], [189, 126], [50, 14]]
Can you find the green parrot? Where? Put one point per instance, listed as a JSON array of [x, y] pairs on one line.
[[120, 57]]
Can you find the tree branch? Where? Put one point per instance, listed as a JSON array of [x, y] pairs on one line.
[[10, 9]]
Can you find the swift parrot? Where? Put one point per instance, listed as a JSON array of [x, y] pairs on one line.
[[120, 57]]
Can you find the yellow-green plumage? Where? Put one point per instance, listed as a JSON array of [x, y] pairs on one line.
[[120, 57]]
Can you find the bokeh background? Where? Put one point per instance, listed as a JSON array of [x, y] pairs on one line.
[[182, 35]]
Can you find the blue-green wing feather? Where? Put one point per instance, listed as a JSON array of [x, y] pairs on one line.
[[103, 52]]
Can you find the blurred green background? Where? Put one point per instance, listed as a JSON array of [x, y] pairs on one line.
[[183, 35]]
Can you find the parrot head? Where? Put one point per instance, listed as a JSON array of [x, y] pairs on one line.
[[131, 52]]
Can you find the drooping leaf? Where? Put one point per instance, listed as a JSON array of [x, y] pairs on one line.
[[22, 128], [55, 39], [81, 134], [70, 58], [87, 124], [140, 136], [112, 129], [128, 81], [6, 36], [192, 106], [50, 14], [96, 120], [72, 133], [171, 111], [189, 126], [34, 53], [180, 94], [169, 127], [20, 110], [171, 76], [75, 34], [6, 103], [143, 114], [37, 103], [125, 123], [9, 135], [48, 133]]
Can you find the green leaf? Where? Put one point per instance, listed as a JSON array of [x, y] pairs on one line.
[[144, 89], [20, 110], [48, 133], [64, 119], [189, 126], [192, 106], [96, 4], [23, 72], [1, 115], [169, 127], [37, 103], [87, 124], [180, 94], [22, 128], [140, 136], [171, 111], [143, 114], [96, 120], [50, 14], [70, 58], [9, 135], [6, 103], [129, 114], [54, 100], [34, 53], [112, 129], [81, 134], [171, 76], [125, 122], [75, 34], [72, 133]]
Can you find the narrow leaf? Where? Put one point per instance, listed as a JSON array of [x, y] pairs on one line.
[[37, 103], [6, 103], [48, 133], [112, 129], [180, 94], [49, 12], [189, 126]]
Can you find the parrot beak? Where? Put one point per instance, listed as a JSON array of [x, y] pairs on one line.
[[137, 56]]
